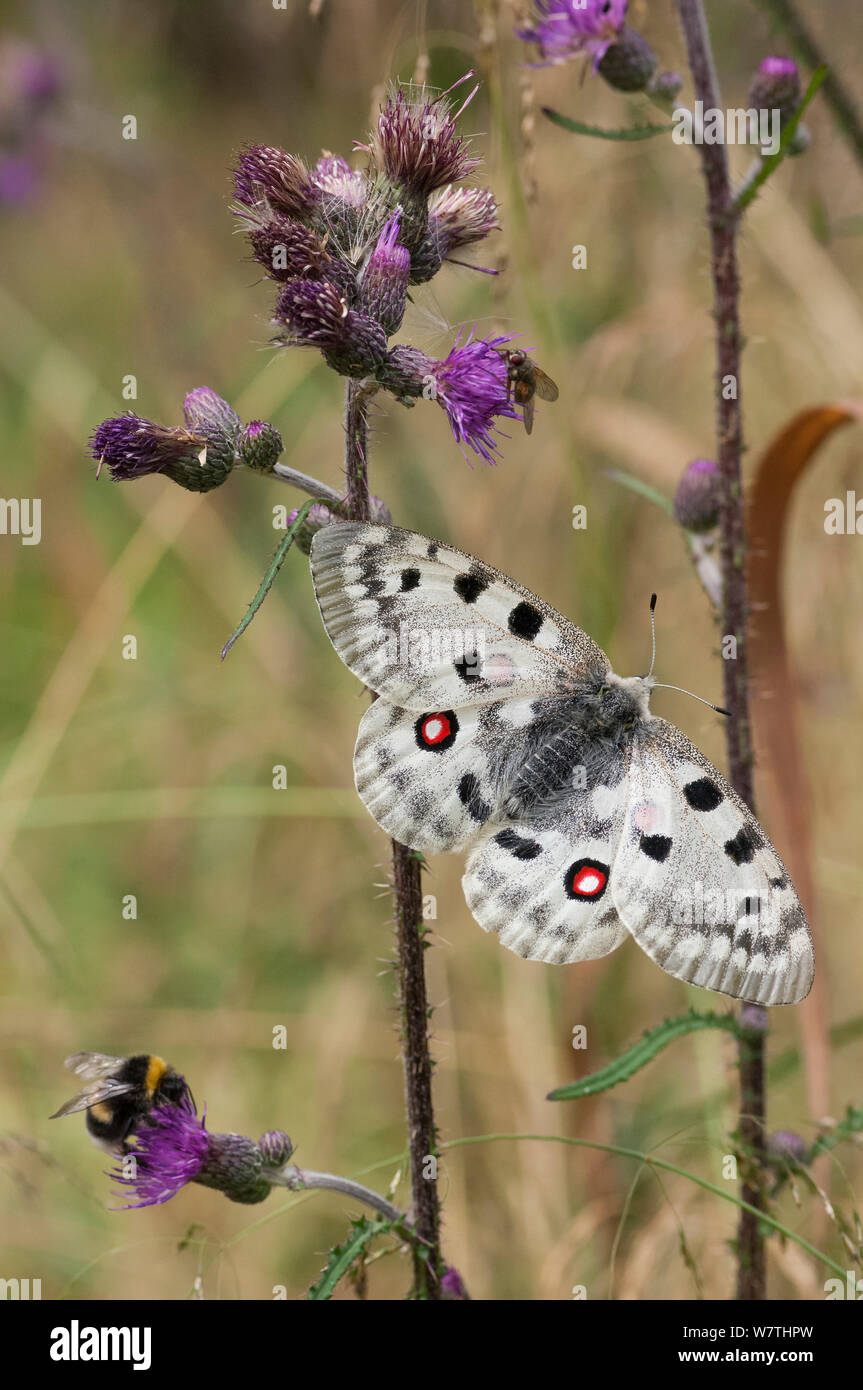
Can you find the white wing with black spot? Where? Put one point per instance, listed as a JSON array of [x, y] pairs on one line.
[[698, 883], [430, 627], [432, 780], [545, 888]]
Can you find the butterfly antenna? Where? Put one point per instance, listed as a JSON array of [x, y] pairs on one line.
[[709, 703], [652, 635], [661, 686]]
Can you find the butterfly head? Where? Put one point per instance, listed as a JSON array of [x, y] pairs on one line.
[[631, 693]]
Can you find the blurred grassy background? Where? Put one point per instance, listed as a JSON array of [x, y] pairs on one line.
[[153, 777]]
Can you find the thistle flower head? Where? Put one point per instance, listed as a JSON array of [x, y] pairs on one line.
[[696, 501], [170, 1150], [316, 314], [286, 248], [384, 282], [456, 217], [786, 1147], [470, 384], [564, 29], [416, 142], [173, 1147], [266, 174], [776, 84], [132, 447], [198, 456], [334, 178], [452, 1287]]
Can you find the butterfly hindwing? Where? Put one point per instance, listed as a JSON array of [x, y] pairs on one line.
[[544, 887], [699, 885], [433, 779], [430, 627]]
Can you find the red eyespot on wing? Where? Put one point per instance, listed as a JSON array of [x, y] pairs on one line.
[[436, 731], [586, 878]]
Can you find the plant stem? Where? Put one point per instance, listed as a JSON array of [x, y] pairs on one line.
[[297, 1179], [410, 946], [722, 222], [805, 46]]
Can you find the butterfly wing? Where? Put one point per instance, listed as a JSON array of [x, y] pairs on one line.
[[544, 886], [432, 780], [432, 628], [699, 885]]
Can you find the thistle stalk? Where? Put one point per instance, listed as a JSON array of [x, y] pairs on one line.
[[723, 225], [410, 946]]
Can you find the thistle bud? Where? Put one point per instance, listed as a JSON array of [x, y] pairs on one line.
[[784, 1146], [629, 63], [259, 446], [776, 84], [665, 87], [696, 501]]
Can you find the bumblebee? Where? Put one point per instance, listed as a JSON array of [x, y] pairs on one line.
[[524, 381], [120, 1093]]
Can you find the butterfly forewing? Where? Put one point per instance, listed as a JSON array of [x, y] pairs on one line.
[[431, 627]]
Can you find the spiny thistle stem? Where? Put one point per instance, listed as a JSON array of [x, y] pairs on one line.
[[722, 222], [410, 967]]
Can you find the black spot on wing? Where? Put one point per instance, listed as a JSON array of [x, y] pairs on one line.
[[469, 792], [656, 847], [702, 794], [517, 845], [525, 620], [468, 668], [742, 848], [469, 586], [410, 579], [432, 550]]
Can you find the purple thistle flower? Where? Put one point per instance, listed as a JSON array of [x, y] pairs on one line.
[[169, 1151], [456, 217], [470, 384], [198, 457], [266, 174], [416, 143], [384, 282], [452, 1287], [776, 84], [133, 447], [333, 177], [286, 248], [564, 29], [318, 315], [173, 1147]]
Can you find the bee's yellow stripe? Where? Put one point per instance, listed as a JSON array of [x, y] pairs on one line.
[[155, 1071], [101, 1112]]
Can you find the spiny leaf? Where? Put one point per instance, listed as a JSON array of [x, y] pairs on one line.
[[634, 132], [852, 1124], [342, 1256], [750, 192], [275, 565], [653, 1041]]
